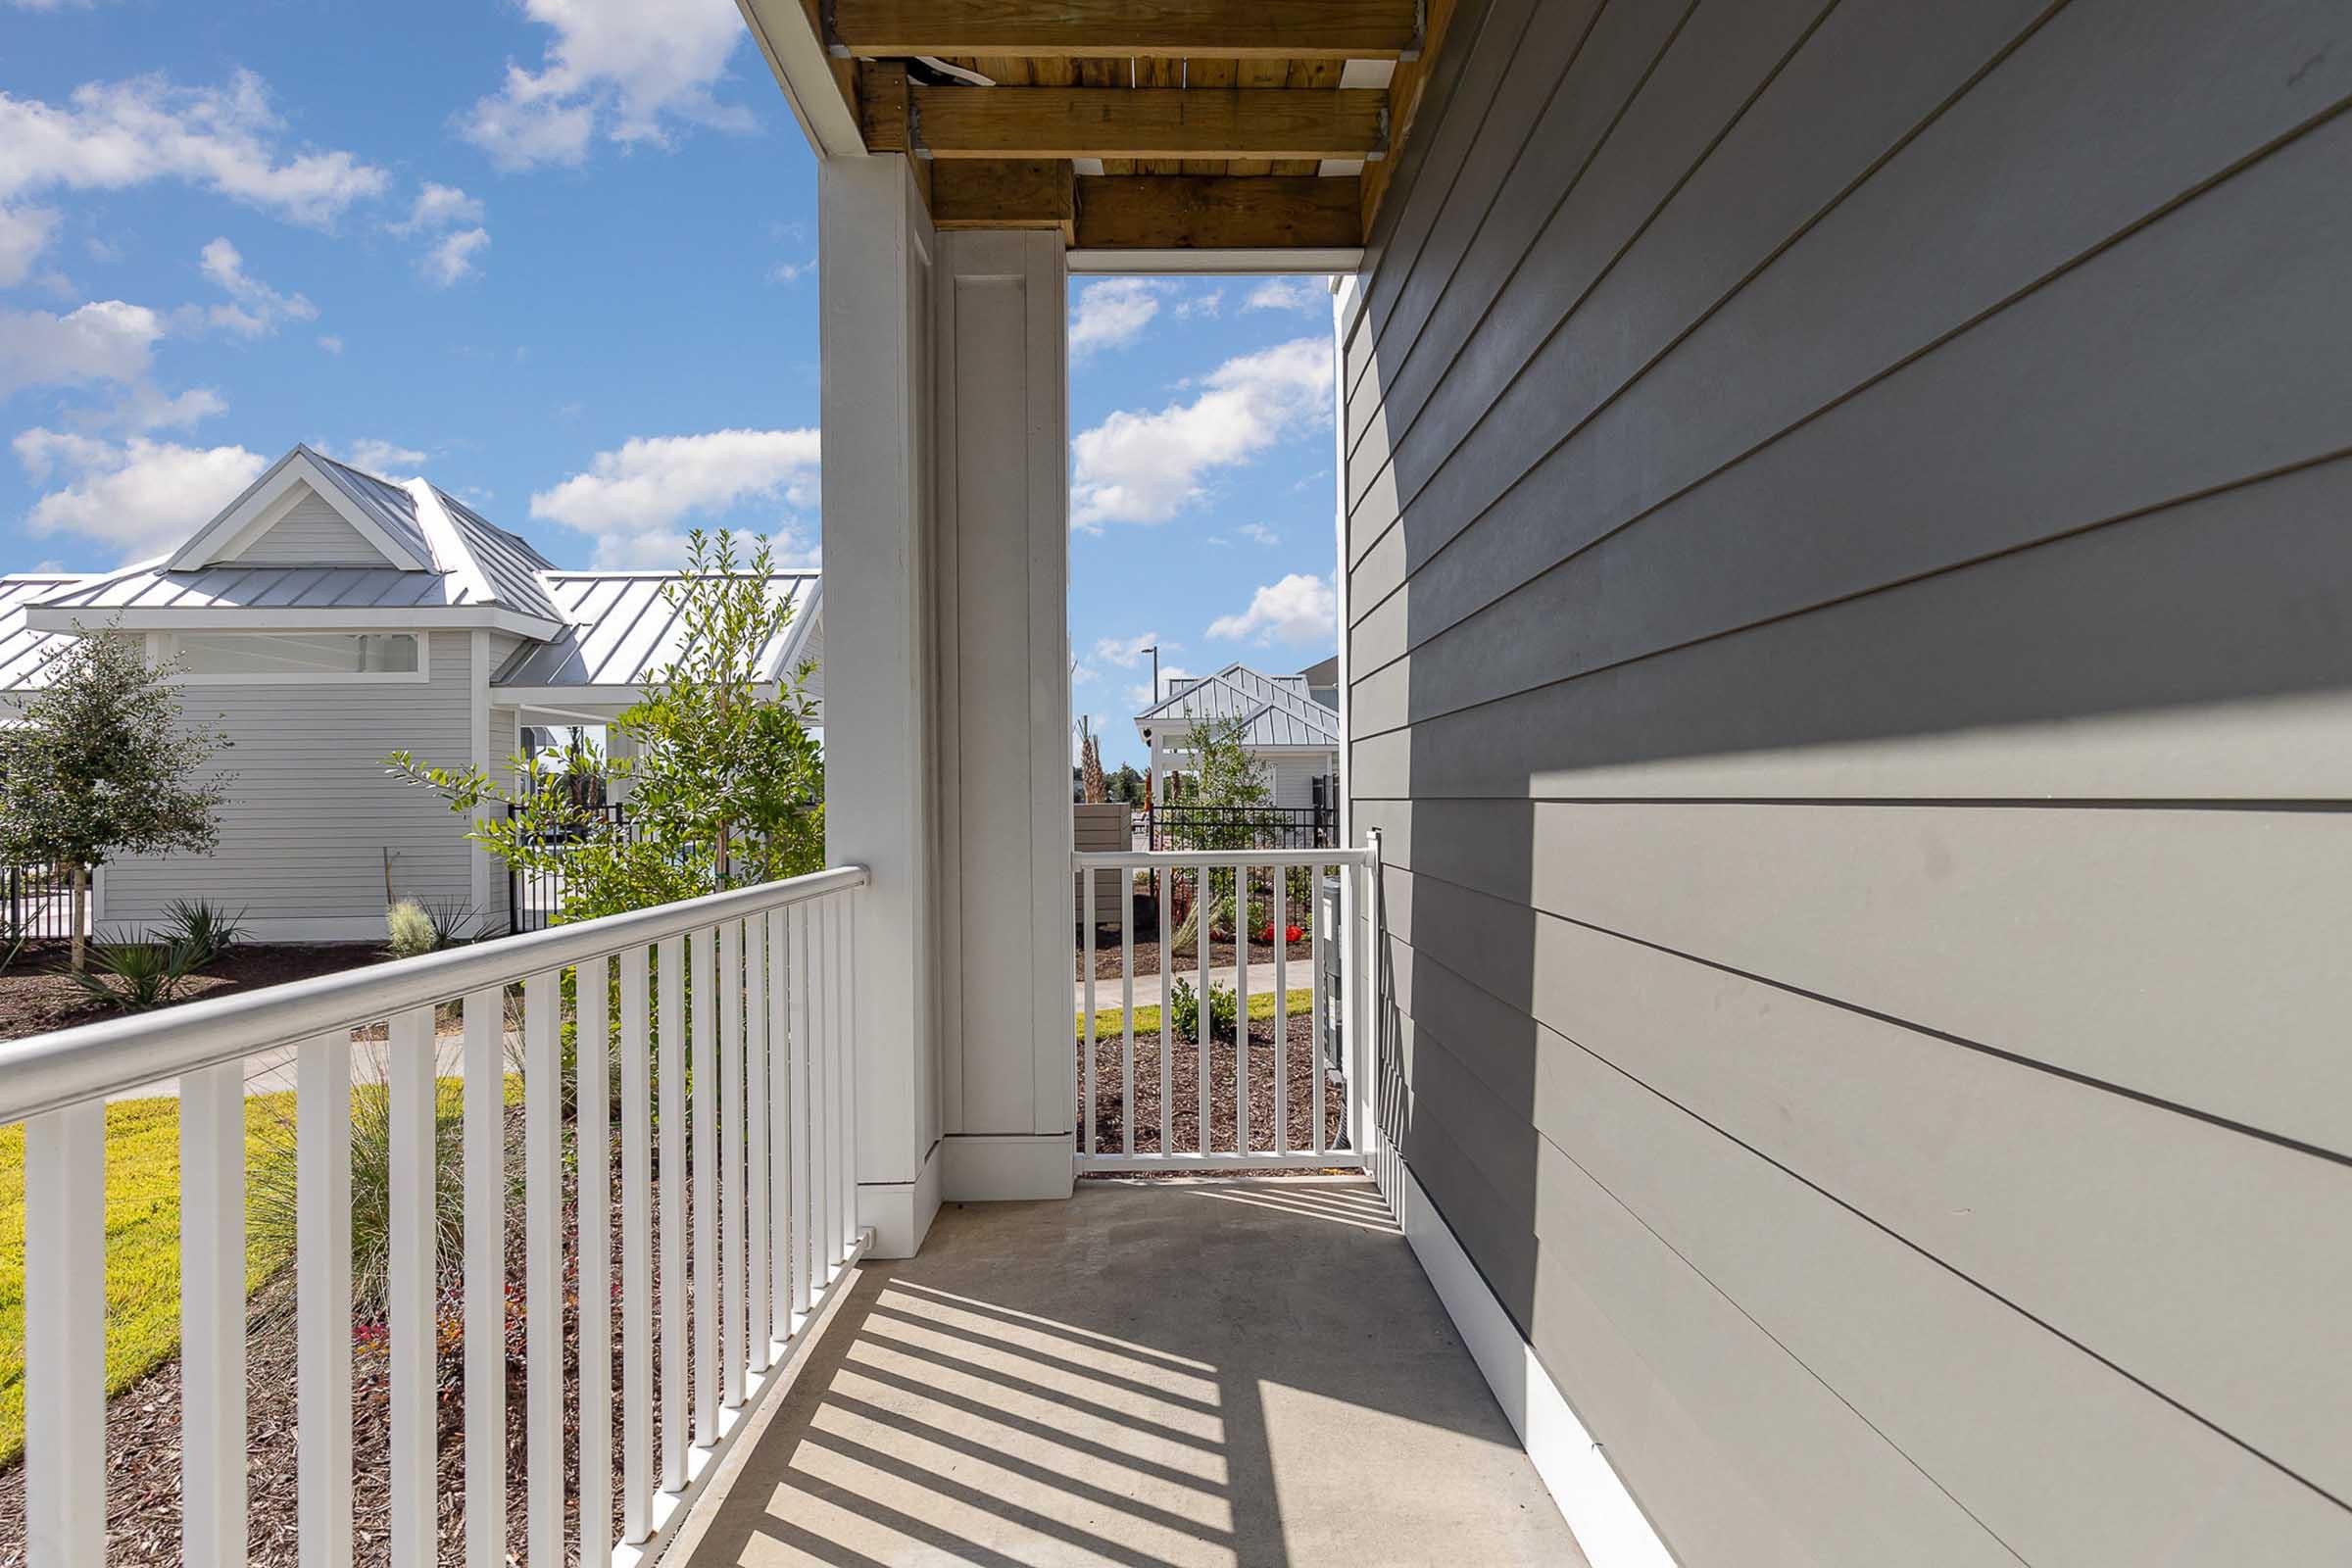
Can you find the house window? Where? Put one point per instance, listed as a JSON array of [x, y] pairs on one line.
[[298, 656]]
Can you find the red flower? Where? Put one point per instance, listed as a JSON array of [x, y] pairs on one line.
[[1292, 932]]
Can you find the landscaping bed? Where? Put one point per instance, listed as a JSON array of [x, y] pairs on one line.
[[37, 993], [1294, 1061]]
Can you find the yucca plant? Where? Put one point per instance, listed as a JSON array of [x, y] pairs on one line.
[[138, 976], [204, 929]]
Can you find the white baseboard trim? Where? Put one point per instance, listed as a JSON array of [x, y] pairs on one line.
[[1608, 1524], [340, 928], [899, 1213], [989, 1168]]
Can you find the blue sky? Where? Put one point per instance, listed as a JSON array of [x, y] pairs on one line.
[[559, 256]]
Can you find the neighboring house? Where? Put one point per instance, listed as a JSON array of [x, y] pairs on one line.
[[327, 618], [1284, 721]]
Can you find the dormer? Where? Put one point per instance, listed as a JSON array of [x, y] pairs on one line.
[[311, 510]]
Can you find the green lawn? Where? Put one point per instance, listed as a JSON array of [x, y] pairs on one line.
[[142, 1243], [1147, 1019]]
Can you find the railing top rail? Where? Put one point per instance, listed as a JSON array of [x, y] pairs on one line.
[[70, 1066], [1212, 859]]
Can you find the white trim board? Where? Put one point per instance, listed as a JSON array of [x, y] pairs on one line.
[[899, 1213], [1006, 1167], [1607, 1523], [261, 506], [1217, 262]]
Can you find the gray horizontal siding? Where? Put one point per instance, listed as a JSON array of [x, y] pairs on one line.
[[311, 813], [1846, 609], [313, 534]]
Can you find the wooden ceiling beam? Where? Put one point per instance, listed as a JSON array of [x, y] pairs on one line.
[[1230, 29], [1023, 193], [1239, 213], [1147, 123]]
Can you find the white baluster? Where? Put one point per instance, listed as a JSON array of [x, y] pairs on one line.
[[784, 1144], [1282, 1011], [671, 1088], [1241, 1010], [805, 1281], [1126, 1011], [731, 1167], [409, 1076], [1167, 883], [322, 1299], [485, 1150], [212, 1316], [65, 1337], [848, 902], [592, 1062], [757, 1110], [543, 1267], [702, 1008], [636, 1250], [1319, 1004], [1201, 894]]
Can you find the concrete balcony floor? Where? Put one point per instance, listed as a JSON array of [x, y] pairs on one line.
[[1235, 1372]]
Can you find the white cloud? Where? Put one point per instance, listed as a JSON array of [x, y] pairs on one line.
[[1084, 674], [438, 207], [1147, 468], [633, 500], [791, 272], [139, 497], [24, 234], [1300, 608], [116, 135], [1287, 294], [258, 308], [451, 258], [145, 407], [106, 340], [331, 343], [1209, 304], [634, 69], [1257, 533], [380, 456], [1129, 651], [1140, 696], [1111, 314]]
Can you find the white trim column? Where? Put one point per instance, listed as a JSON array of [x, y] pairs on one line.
[[1001, 553], [875, 251]]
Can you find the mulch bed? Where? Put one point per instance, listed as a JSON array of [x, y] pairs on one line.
[[1147, 958], [37, 992], [1184, 1091], [143, 1427]]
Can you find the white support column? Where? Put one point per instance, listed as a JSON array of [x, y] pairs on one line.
[[875, 260], [1002, 573]]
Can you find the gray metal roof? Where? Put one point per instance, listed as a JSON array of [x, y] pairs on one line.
[[1268, 709], [622, 630], [506, 562], [235, 587], [23, 651], [390, 506]]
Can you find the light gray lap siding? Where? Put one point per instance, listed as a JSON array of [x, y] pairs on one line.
[[312, 815], [1846, 587]]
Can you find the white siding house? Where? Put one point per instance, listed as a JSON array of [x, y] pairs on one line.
[[1282, 721], [327, 618]]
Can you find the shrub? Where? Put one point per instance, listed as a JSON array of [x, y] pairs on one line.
[[138, 976], [417, 926], [204, 930], [1184, 1009]]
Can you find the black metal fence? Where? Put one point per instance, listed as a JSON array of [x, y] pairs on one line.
[[535, 896], [1240, 827], [36, 904]]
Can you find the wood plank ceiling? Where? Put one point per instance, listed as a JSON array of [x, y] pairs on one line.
[[1145, 124]]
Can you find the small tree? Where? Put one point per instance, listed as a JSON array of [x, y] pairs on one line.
[[103, 766], [726, 786], [1225, 781]]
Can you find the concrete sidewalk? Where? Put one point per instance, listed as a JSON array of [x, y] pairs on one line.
[[1300, 976]]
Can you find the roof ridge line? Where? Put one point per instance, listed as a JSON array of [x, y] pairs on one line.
[[442, 534]]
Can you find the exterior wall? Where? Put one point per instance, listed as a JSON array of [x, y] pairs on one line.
[[312, 534], [1845, 588], [311, 815], [1293, 778]]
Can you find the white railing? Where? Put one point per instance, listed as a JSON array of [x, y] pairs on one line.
[[1318, 1111], [735, 1035]]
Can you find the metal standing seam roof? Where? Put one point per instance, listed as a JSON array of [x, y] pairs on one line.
[[391, 507], [1271, 710], [24, 651], [507, 562], [622, 630]]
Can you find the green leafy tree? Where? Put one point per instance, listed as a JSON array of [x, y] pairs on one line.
[[1225, 804], [726, 786], [103, 765]]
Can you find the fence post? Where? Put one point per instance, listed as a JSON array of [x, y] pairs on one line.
[[1364, 1070]]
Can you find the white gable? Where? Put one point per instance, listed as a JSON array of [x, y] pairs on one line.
[[310, 533]]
